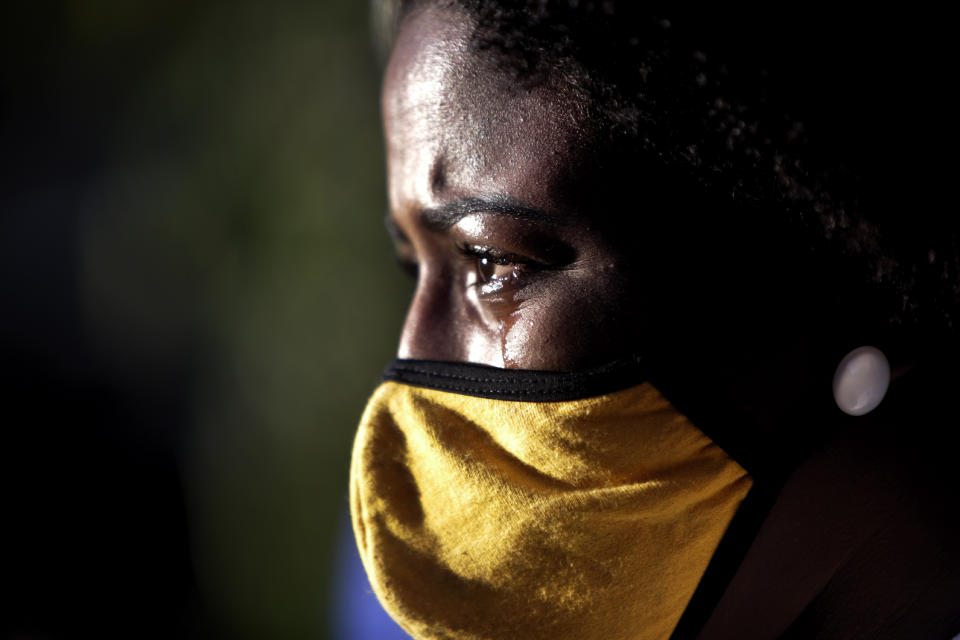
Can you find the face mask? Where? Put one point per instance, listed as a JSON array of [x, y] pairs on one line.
[[491, 503]]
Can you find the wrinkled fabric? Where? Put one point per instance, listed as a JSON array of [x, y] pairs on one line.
[[592, 518]]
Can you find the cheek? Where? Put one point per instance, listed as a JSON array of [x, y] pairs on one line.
[[517, 341], [569, 326]]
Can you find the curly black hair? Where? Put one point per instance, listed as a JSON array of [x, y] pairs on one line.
[[831, 127]]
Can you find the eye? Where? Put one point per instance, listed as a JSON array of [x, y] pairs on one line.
[[493, 268], [403, 249], [409, 267]]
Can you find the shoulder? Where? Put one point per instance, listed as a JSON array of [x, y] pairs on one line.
[[863, 539]]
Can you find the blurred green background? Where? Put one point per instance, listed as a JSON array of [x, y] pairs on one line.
[[193, 201]]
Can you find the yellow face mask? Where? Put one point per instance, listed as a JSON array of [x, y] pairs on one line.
[[490, 503]]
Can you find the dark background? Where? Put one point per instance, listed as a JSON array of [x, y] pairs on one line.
[[196, 297], [197, 294]]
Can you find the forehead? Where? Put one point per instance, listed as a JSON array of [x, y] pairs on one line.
[[452, 117]]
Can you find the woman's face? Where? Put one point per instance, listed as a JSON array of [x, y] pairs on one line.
[[490, 202]]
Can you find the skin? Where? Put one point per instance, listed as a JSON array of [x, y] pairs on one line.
[[526, 279], [602, 268], [501, 199]]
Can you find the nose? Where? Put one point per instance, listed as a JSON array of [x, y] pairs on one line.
[[432, 329]]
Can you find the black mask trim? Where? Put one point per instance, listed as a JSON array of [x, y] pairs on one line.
[[483, 381], [735, 434]]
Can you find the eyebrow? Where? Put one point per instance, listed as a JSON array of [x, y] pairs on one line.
[[446, 215]]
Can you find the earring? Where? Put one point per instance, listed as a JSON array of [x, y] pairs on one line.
[[861, 381]]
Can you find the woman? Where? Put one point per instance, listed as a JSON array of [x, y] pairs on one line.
[[637, 272]]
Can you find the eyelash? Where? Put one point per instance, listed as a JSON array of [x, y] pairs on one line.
[[489, 256], [410, 268], [477, 254]]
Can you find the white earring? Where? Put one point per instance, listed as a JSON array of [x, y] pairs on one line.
[[861, 380]]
